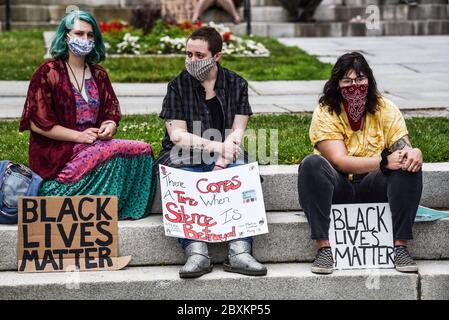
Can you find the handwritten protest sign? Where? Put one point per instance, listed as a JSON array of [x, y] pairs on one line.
[[58, 233], [213, 206], [361, 236]]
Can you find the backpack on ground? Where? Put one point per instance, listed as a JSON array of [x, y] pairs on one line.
[[15, 180]]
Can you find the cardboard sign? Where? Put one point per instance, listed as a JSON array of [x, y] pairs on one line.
[[361, 236], [57, 233], [213, 206]]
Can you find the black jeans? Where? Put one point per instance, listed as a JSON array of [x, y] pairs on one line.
[[320, 186]]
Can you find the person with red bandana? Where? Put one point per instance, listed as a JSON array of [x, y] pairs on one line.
[[362, 154]]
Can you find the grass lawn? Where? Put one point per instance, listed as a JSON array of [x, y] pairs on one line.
[[428, 134], [21, 52]]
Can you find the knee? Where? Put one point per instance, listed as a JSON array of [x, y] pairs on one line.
[[312, 164], [406, 175], [313, 171], [407, 179]]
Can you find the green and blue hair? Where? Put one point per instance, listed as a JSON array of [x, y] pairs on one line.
[[59, 48]]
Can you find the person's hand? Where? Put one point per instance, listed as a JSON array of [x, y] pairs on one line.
[[220, 164], [106, 131], [411, 159], [230, 150], [235, 139], [395, 160], [218, 167], [87, 136]]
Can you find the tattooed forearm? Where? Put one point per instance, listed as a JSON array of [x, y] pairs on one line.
[[400, 144], [179, 135], [198, 146]]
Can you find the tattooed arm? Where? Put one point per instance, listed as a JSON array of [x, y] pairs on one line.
[[403, 157], [402, 143], [336, 153], [177, 130], [410, 158]]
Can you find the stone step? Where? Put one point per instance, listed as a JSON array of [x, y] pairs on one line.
[[288, 241], [258, 14], [386, 12], [283, 282], [262, 3], [337, 13], [359, 3], [54, 13], [116, 3], [280, 187], [26, 13], [345, 29], [434, 280], [41, 13], [254, 3], [81, 3], [26, 25], [265, 14]]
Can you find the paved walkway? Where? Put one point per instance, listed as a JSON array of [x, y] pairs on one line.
[[411, 71]]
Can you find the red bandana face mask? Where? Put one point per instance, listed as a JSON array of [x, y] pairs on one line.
[[354, 101]]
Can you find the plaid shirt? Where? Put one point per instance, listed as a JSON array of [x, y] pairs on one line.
[[186, 100]]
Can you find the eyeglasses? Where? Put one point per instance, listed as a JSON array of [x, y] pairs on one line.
[[348, 81]]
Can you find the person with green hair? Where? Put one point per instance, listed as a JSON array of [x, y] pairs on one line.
[[73, 113]]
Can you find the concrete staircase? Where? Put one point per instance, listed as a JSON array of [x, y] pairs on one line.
[[334, 19], [269, 18], [287, 251], [46, 14]]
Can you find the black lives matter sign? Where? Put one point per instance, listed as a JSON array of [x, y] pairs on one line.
[[58, 233], [361, 236]]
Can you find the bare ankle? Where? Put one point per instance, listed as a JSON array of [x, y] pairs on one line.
[[323, 243], [400, 243]]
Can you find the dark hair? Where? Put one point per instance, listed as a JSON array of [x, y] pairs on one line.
[[331, 94], [211, 36]]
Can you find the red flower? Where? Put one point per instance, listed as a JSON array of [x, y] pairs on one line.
[[186, 25], [102, 26], [227, 36], [113, 26]]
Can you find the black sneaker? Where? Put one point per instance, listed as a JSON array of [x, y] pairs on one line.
[[324, 263], [403, 260]]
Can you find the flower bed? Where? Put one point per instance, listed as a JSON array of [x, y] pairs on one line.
[[170, 39]]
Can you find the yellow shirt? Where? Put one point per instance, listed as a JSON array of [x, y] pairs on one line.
[[380, 130]]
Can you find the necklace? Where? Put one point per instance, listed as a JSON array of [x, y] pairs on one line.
[[80, 89]]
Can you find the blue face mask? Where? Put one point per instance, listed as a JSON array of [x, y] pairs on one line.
[[80, 47]]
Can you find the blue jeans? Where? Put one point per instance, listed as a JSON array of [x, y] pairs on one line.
[[206, 168]]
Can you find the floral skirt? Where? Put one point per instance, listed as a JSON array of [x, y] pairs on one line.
[[125, 173]]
